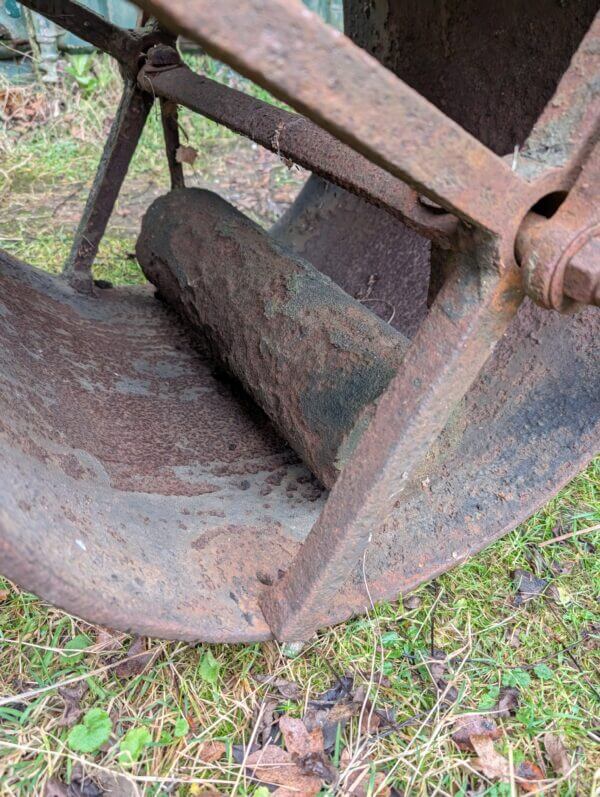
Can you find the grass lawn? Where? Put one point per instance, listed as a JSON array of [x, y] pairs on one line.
[[177, 721]]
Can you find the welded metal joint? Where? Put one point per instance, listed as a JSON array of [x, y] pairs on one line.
[[161, 58]]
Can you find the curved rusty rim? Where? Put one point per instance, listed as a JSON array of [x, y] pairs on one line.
[[452, 419]]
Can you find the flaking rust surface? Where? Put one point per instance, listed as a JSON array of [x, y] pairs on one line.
[[314, 358], [163, 502], [137, 488], [150, 555]]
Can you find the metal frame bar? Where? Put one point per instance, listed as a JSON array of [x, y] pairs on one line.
[[170, 125], [119, 149], [470, 314], [345, 91], [298, 139]]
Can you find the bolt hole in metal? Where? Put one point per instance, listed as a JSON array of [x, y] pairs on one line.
[[544, 209], [549, 204]]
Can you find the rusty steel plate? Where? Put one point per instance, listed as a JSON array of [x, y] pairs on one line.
[[140, 487], [138, 490]]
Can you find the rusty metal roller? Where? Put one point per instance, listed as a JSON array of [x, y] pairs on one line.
[[315, 359]]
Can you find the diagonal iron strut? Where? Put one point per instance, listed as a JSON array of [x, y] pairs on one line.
[[118, 151], [289, 50], [454, 341], [295, 138], [126, 47]]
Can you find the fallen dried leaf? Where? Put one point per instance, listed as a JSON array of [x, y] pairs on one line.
[[186, 154], [82, 785], [474, 726], [299, 741], [360, 694], [273, 766], [361, 782], [307, 749], [238, 752], [318, 764], [383, 681], [437, 666], [56, 788], [23, 108], [115, 785], [529, 776], [528, 586], [72, 698], [4, 593], [130, 666], [341, 690], [331, 721], [557, 753], [209, 752], [562, 567], [287, 689], [371, 718], [370, 721], [106, 640], [514, 638], [489, 761], [508, 702], [268, 722]]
